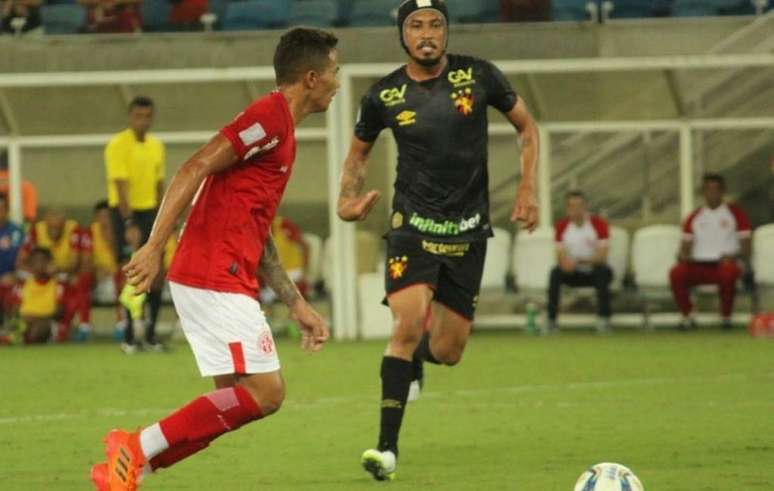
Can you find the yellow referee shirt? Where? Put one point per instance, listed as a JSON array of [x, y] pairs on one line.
[[141, 164]]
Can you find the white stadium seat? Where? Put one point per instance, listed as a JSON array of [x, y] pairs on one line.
[[654, 252], [498, 254], [533, 257], [375, 319], [618, 256], [763, 255]]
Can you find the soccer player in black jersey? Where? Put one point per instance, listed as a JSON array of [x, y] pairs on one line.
[[436, 107]]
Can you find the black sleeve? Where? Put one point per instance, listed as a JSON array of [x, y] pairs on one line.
[[500, 94], [369, 119]]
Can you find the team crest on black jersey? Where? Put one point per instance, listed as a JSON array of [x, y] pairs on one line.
[[463, 101], [397, 266]]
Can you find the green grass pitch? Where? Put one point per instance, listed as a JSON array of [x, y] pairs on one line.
[[686, 411]]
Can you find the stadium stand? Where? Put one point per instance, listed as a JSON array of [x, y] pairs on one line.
[[369, 13], [63, 18], [319, 13], [155, 15], [256, 14]]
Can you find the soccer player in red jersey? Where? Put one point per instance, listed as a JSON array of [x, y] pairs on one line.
[[235, 182]]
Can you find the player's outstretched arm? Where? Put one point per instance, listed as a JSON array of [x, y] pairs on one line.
[[525, 208], [314, 330], [213, 157], [353, 205]]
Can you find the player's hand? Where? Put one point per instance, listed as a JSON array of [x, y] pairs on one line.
[[525, 208], [357, 208], [143, 268], [314, 330]]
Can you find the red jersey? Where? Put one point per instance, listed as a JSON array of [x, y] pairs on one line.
[[223, 238]]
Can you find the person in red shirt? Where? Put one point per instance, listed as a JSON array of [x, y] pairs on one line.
[[236, 182], [716, 237], [581, 250], [113, 16]]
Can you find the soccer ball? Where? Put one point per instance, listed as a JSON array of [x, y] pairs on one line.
[[608, 477]]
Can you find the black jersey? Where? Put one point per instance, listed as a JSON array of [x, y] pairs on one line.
[[441, 127]]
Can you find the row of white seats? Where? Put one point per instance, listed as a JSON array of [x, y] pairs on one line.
[[653, 253], [530, 257]]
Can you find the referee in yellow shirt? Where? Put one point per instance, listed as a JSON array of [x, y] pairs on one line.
[[136, 167]]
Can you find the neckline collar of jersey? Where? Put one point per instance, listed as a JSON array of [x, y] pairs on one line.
[[443, 73]]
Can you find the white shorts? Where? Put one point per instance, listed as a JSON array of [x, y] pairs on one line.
[[228, 332]]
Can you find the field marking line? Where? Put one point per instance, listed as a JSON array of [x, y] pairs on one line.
[[307, 404]]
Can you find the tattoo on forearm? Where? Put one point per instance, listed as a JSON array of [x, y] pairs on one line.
[[275, 276], [352, 180]]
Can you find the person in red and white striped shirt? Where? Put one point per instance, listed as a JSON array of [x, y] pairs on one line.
[[581, 248], [716, 238]]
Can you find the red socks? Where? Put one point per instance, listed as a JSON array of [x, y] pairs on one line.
[[195, 425]]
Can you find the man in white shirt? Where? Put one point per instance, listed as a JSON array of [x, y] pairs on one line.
[[581, 248], [716, 237]]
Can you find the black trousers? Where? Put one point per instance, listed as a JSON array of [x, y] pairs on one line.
[[599, 277], [144, 219]]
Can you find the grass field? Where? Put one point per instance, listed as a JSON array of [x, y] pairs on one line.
[[686, 411]]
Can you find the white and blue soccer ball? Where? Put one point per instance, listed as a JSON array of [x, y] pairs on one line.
[[608, 477]]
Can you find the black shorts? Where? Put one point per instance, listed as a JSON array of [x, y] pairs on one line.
[[452, 270]]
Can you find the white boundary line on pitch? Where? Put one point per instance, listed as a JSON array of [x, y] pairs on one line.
[[303, 404]]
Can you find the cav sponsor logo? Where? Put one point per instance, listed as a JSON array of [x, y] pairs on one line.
[[393, 96], [461, 78], [439, 249], [406, 118], [397, 266], [446, 227], [463, 101]]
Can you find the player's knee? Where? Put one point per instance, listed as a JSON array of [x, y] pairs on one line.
[[268, 396], [728, 273], [408, 329], [677, 273], [449, 354]]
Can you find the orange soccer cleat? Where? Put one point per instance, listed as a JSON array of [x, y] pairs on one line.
[[125, 461], [99, 476]]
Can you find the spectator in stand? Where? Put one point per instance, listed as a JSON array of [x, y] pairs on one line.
[[716, 238], [11, 240], [186, 14], [64, 239], [525, 10], [112, 16], [28, 10], [29, 192], [582, 247], [39, 296]]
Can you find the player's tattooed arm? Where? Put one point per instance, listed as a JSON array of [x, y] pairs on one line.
[[270, 269], [352, 204], [525, 207]]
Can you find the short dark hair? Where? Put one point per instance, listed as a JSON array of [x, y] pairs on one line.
[[40, 251], [714, 177], [575, 193], [302, 49], [141, 101], [101, 205]]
